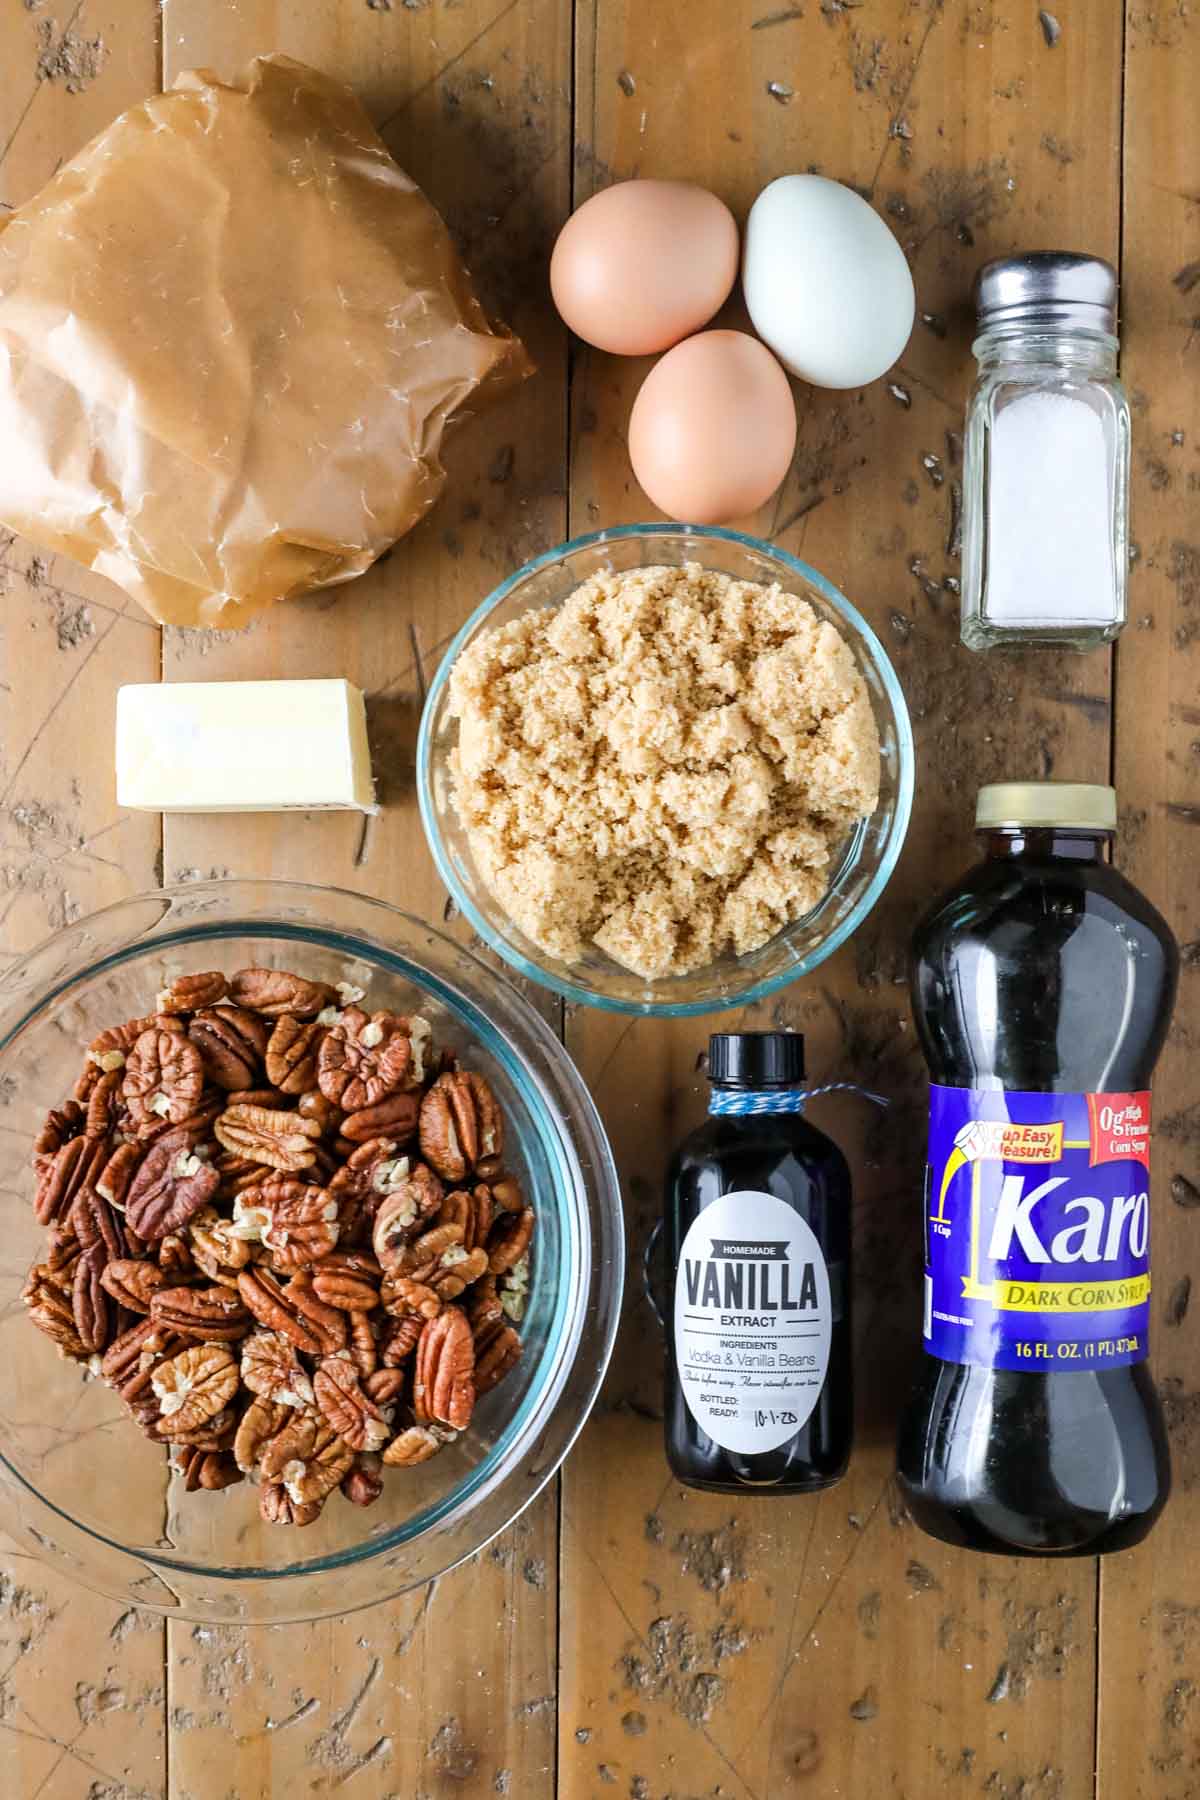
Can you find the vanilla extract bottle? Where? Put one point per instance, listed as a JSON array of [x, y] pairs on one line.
[[757, 1237]]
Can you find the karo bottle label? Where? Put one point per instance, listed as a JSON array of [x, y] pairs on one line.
[[1037, 1229]]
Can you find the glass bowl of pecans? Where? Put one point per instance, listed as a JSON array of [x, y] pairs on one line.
[[313, 1252]]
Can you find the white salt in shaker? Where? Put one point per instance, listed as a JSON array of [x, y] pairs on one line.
[[1046, 457]]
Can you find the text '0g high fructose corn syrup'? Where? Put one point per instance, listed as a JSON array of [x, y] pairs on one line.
[[757, 1231], [1042, 986]]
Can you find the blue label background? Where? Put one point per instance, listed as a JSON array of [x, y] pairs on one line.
[[988, 1335]]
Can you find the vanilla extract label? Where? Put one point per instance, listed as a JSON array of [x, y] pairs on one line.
[[753, 1318]]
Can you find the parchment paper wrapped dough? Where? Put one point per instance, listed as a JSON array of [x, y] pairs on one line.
[[231, 333]]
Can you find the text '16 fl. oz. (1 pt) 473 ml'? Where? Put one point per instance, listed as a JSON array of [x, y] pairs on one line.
[[1043, 985]]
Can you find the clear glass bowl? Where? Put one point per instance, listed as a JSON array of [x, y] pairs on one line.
[[79, 1485], [867, 859]]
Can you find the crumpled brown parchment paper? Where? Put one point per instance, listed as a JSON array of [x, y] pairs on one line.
[[231, 333]]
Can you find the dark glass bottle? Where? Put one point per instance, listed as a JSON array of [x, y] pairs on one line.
[[757, 1232], [1043, 983]]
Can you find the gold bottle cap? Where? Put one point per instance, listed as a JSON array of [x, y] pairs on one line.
[[1046, 805]]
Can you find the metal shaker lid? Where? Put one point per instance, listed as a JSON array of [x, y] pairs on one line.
[[1054, 289]]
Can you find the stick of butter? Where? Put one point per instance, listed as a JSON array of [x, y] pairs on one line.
[[243, 746]]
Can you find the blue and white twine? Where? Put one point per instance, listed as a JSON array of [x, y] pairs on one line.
[[753, 1102]]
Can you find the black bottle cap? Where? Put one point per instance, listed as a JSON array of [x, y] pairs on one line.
[[756, 1059]]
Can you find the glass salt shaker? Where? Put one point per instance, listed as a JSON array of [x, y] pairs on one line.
[[1046, 457]]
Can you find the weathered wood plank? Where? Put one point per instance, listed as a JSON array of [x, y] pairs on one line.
[[1149, 1745], [69, 637], [762, 1648], [451, 1690], [474, 102], [81, 1677]]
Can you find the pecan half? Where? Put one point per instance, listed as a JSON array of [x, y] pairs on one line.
[[275, 1307], [87, 1078], [96, 1226], [364, 1351], [416, 1445], [261, 1421], [271, 1368], [461, 1126], [51, 1311], [296, 1223], [72, 1167], [364, 1059], [395, 1117], [269, 1097], [308, 1457], [506, 1194], [277, 1507], [164, 1079], [175, 1258], [188, 993], [211, 1313], [457, 1269], [472, 1209], [497, 1352], [195, 1130], [170, 1185], [349, 1280], [139, 1345], [63, 1252], [405, 1298], [408, 1198], [236, 1172], [347, 1410], [292, 1054], [194, 1386], [273, 992], [314, 1105], [385, 1386], [509, 1240], [207, 1469], [61, 1125], [364, 1484], [277, 1140], [232, 1044], [484, 1306], [216, 1246], [133, 1282], [90, 1309], [329, 1322], [103, 1104], [426, 1256], [444, 1375], [401, 1337], [110, 1049], [216, 1433], [353, 1188], [114, 1180], [143, 1410]]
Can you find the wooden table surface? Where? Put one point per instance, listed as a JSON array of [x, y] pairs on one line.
[[627, 1638]]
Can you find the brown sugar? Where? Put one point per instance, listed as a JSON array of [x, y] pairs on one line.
[[663, 767]]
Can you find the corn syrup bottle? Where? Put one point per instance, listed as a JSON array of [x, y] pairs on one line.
[[1042, 988]]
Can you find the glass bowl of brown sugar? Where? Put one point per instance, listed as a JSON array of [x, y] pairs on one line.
[[647, 769]]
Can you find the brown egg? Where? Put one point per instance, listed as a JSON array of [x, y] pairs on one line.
[[713, 428], [642, 264]]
